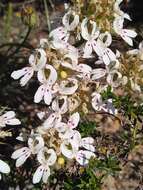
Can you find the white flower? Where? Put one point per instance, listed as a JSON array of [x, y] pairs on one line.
[[43, 171], [97, 102], [63, 33], [106, 54], [70, 148], [9, 119], [138, 52], [66, 129], [114, 77], [126, 34], [46, 91], [68, 87], [108, 107], [99, 105], [72, 54], [36, 64], [34, 146], [83, 157], [58, 109], [91, 43], [87, 73], [4, 168], [118, 12], [68, 52]]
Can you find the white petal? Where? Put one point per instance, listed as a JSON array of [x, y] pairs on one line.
[[38, 59], [74, 24], [76, 140], [52, 158], [97, 48], [108, 39], [22, 159], [53, 74], [46, 174], [127, 38], [133, 52], [105, 38], [4, 167], [106, 59], [19, 73], [74, 120], [84, 30], [39, 94], [9, 115], [87, 49], [50, 121], [87, 143], [38, 174], [59, 33], [111, 54], [13, 122], [66, 21], [97, 101], [141, 45], [47, 96], [19, 152], [41, 76], [95, 32], [35, 144], [98, 73], [66, 151], [127, 16], [118, 25], [84, 68], [26, 77], [43, 58], [130, 33], [110, 78], [41, 115], [88, 140], [83, 157], [68, 90], [60, 108]]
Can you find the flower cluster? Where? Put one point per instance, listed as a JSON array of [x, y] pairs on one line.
[[71, 85]]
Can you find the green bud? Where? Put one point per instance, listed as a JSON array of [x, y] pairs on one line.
[[29, 17]]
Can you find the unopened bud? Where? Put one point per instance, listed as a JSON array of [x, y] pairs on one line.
[[29, 16]]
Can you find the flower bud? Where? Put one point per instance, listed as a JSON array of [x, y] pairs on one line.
[[29, 16]]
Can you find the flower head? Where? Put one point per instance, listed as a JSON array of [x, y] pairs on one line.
[[37, 61], [125, 34], [45, 91], [91, 43], [46, 157]]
